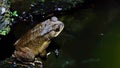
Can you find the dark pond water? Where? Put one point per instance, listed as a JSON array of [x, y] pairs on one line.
[[91, 38]]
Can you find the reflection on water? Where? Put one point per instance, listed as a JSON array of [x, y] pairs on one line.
[[90, 38], [90, 60]]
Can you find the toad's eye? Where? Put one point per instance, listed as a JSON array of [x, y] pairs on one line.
[[58, 29]]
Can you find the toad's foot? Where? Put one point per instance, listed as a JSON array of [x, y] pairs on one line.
[[38, 63]]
